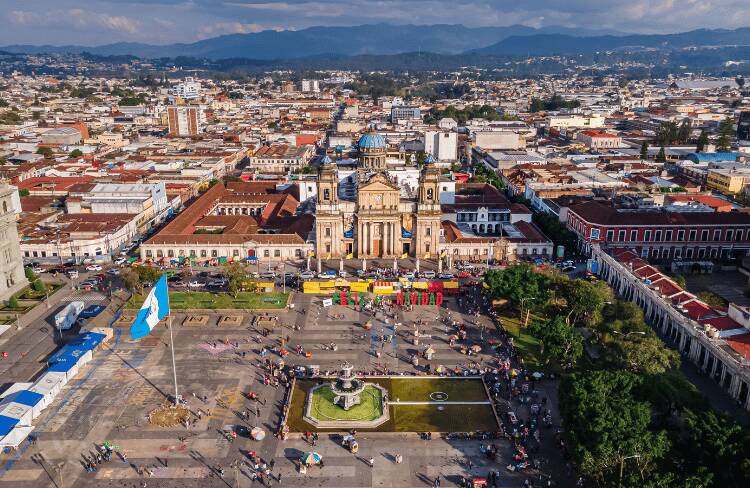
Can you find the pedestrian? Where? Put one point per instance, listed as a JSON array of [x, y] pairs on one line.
[[257, 411], [399, 458], [278, 478], [272, 463], [372, 462]]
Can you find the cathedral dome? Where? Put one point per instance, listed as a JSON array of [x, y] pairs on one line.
[[371, 140]]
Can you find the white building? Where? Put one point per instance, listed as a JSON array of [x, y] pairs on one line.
[[310, 86], [575, 121], [188, 90], [499, 140], [12, 278], [442, 145]]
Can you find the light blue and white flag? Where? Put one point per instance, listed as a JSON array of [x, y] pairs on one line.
[[155, 308]]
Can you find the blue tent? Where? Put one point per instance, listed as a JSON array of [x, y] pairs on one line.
[[24, 397], [63, 367], [6, 425]]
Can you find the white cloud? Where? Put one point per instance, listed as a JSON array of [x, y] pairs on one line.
[[77, 18], [220, 28]]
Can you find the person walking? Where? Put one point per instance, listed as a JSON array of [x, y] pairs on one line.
[[372, 462]]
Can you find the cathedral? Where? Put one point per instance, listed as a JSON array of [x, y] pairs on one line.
[[367, 214]]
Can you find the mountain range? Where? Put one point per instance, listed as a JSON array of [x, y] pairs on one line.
[[323, 41]]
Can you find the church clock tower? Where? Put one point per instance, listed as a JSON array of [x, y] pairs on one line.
[[329, 223], [427, 228]]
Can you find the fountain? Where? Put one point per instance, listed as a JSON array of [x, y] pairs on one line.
[[347, 387]]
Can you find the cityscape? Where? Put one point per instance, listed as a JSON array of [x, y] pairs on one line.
[[316, 244]]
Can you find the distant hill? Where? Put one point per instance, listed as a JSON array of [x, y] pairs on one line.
[[314, 41], [549, 44]]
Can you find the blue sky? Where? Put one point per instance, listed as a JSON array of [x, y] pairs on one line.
[[94, 22]]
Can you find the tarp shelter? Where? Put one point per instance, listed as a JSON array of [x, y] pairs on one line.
[[29, 398], [16, 436], [7, 424], [70, 368], [22, 413], [107, 332], [14, 388], [50, 385]]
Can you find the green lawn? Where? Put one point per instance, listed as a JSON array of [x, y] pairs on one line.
[[413, 418], [527, 345], [369, 408], [212, 301]]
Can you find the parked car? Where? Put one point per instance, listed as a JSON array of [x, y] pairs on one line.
[[113, 271], [93, 267], [343, 274], [445, 276], [568, 269], [217, 283], [178, 284], [121, 260], [268, 275], [427, 275], [307, 275], [327, 274], [37, 269], [73, 274], [196, 284], [360, 273], [409, 275]]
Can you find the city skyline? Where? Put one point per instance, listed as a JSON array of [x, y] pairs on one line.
[[97, 22]]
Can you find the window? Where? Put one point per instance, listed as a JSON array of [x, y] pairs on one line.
[[328, 232], [647, 235], [610, 235], [214, 253], [621, 235], [159, 253], [427, 248], [429, 194], [326, 194], [298, 253], [738, 236], [644, 253], [594, 234], [717, 235], [704, 235], [26, 253], [633, 235], [729, 234], [193, 253], [170, 253], [277, 253], [668, 235], [692, 234], [266, 253], [657, 236], [680, 235], [235, 252], [203, 253]]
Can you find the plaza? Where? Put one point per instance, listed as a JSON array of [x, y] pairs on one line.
[[220, 360]]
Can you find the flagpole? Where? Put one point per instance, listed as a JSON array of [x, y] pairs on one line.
[[171, 346]]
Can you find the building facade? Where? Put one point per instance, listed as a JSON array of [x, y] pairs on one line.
[[185, 120], [12, 277]]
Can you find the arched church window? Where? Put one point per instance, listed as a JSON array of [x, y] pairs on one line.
[[326, 194]]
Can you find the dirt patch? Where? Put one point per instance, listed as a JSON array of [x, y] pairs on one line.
[[169, 416]]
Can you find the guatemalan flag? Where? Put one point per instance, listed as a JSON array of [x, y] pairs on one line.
[[155, 308]]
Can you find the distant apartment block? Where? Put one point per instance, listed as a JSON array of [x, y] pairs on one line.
[[185, 120]]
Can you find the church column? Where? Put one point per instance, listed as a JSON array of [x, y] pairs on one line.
[[389, 243], [368, 240], [359, 239]]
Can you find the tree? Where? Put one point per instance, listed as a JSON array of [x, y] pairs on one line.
[[608, 430], [702, 141], [686, 128], [13, 302], [642, 353], [584, 300], [726, 131], [46, 152], [76, 153], [236, 276], [516, 283], [644, 150], [661, 157], [148, 274], [39, 286], [559, 341], [29, 273], [132, 281]]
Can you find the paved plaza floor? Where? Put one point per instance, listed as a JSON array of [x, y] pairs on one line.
[[112, 395]]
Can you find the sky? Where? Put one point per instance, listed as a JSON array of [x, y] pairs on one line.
[[97, 22]]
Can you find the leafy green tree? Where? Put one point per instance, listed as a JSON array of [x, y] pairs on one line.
[[702, 141], [132, 281], [39, 286], [46, 152], [608, 430], [584, 300], [686, 128], [148, 274], [518, 282], [644, 150], [661, 157], [726, 132], [559, 342], [236, 276], [642, 353], [76, 153], [13, 302], [29, 273]]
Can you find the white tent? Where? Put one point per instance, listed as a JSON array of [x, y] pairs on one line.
[[27, 398], [23, 413], [49, 385], [16, 436], [69, 368], [14, 388], [84, 357]]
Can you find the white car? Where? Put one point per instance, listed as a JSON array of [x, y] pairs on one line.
[[343, 274], [445, 276], [37, 269], [120, 261], [268, 275], [113, 271], [408, 275], [93, 267], [196, 284], [428, 274], [307, 275]]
